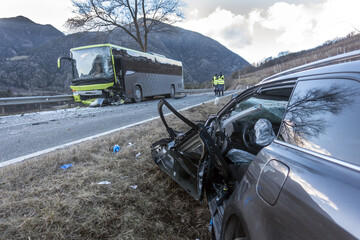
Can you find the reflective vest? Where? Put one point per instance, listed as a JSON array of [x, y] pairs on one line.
[[221, 80], [215, 81]]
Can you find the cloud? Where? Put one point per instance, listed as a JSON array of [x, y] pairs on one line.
[[221, 25], [282, 26]]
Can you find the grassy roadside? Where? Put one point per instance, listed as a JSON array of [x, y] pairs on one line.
[[39, 200]]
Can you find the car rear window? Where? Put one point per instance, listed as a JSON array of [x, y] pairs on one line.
[[324, 116]]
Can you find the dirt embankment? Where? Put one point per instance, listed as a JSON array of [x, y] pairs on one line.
[[39, 200]]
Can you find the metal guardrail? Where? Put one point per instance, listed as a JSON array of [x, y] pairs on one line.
[[34, 100], [198, 90], [58, 98]]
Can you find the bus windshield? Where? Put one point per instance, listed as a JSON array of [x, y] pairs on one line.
[[93, 63]]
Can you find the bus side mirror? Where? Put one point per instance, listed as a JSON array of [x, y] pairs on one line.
[[63, 58], [58, 62]]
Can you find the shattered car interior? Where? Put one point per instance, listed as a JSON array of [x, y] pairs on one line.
[[214, 156]]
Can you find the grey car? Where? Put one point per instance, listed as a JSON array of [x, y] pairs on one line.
[[281, 159]]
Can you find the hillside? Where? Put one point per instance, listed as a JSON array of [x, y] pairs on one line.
[[252, 75], [20, 33], [34, 70]]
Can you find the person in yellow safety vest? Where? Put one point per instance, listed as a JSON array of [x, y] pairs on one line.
[[221, 84], [215, 83]]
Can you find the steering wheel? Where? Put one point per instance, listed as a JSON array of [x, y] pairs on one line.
[[218, 135], [248, 137]]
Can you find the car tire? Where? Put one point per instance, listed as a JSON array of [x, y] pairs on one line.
[[137, 94], [232, 226]]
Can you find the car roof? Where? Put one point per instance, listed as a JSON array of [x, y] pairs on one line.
[[343, 63]]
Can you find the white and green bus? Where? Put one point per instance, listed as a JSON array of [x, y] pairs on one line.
[[115, 73]]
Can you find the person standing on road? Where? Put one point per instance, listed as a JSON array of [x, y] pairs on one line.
[[221, 84], [215, 83]]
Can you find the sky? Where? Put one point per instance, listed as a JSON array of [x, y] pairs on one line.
[[254, 29]]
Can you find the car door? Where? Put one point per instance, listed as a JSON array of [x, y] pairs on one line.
[[183, 155]]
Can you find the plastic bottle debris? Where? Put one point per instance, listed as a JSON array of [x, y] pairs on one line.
[[104, 182], [116, 148], [66, 166], [134, 186], [138, 154], [216, 102]]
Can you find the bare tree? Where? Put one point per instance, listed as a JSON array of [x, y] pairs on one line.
[[137, 18]]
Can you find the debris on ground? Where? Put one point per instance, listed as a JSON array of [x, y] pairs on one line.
[[120, 102], [130, 144], [216, 102], [104, 183], [138, 154], [134, 186], [116, 148], [97, 103], [66, 166]]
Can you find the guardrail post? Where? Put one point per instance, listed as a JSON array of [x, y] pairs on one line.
[[40, 106], [3, 110]]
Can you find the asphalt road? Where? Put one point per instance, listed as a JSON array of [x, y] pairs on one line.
[[21, 135]]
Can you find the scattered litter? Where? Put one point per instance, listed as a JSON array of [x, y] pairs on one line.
[[130, 144], [216, 102], [104, 183], [138, 154], [134, 186], [116, 148], [66, 166]]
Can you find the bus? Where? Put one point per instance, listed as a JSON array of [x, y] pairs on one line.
[[115, 74]]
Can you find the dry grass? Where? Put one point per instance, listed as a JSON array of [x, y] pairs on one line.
[[39, 200]]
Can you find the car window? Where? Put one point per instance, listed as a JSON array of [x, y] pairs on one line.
[[254, 122], [323, 116], [271, 109]]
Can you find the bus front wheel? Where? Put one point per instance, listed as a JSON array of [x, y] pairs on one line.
[[137, 94]]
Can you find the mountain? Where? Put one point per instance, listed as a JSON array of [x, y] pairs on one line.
[[35, 70], [20, 33]]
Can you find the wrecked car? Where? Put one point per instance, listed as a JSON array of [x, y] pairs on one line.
[[280, 160]]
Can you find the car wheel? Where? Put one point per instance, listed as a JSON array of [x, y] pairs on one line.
[[234, 230], [137, 94], [172, 91]]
